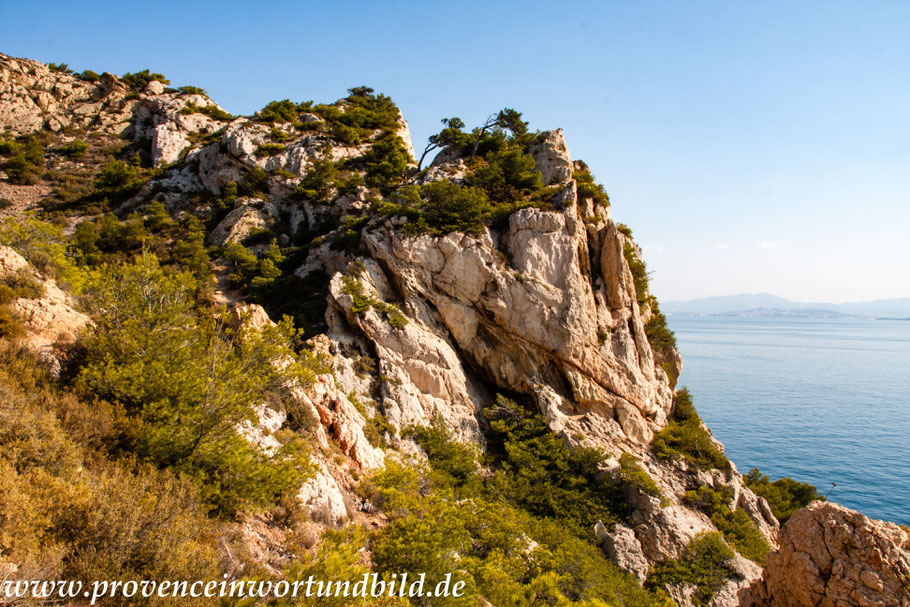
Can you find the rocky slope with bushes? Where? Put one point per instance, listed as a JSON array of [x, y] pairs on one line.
[[389, 347]]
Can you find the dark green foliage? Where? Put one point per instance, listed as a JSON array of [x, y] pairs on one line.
[[63, 68], [454, 462], [624, 229], [587, 186], [279, 111], [659, 334], [192, 90], [507, 176], [144, 355], [685, 437], [639, 272], [25, 162], [441, 207], [139, 80], [502, 553], [631, 472], [736, 526], [269, 149], [73, 149], [706, 564], [386, 162], [363, 302], [316, 185], [538, 473], [785, 495], [212, 111], [90, 76]]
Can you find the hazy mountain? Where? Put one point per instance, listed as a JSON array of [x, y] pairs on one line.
[[746, 302]]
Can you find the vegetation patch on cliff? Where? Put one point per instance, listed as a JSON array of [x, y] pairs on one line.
[[736, 526], [705, 564], [685, 437], [785, 495]]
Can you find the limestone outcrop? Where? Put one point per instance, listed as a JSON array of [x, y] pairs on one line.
[[830, 556]]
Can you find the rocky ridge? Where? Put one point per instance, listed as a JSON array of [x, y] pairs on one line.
[[544, 308]]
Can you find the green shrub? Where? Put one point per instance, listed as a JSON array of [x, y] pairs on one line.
[[706, 564], [212, 111], [25, 163], [784, 495], [90, 76], [192, 90], [279, 111], [269, 149], [386, 163], [624, 229], [139, 80], [501, 552], [587, 187], [631, 472], [144, 356], [685, 437], [538, 473], [736, 526], [455, 462], [73, 149], [63, 68], [639, 273], [362, 302]]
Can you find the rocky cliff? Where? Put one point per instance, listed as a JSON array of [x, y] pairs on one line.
[[422, 328]]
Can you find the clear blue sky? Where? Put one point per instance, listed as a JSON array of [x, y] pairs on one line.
[[751, 146]]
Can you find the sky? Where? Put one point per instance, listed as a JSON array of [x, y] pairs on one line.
[[751, 146]]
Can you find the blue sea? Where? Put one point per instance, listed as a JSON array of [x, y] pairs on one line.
[[822, 401]]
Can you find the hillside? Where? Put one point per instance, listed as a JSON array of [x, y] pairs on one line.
[[273, 346]]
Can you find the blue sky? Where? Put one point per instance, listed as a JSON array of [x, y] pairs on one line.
[[751, 146]]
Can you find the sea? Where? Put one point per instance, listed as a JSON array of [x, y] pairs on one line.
[[824, 401]]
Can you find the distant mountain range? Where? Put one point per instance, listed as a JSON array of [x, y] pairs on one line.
[[766, 304]]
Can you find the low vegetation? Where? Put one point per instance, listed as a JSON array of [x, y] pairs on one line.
[[785, 495], [631, 472], [736, 526], [705, 564], [686, 438]]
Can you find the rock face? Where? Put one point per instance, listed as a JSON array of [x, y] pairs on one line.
[[831, 556], [50, 319]]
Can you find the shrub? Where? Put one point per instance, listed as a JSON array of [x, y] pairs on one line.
[[386, 163], [144, 355], [631, 472], [74, 149], [90, 76], [362, 302], [587, 187], [685, 437], [269, 149], [784, 495], [624, 229], [279, 111], [538, 473], [502, 553], [5, 203], [139, 80], [59, 67], [25, 163], [455, 462], [192, 90], [212, 111], [736, 526], [705, 564]]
